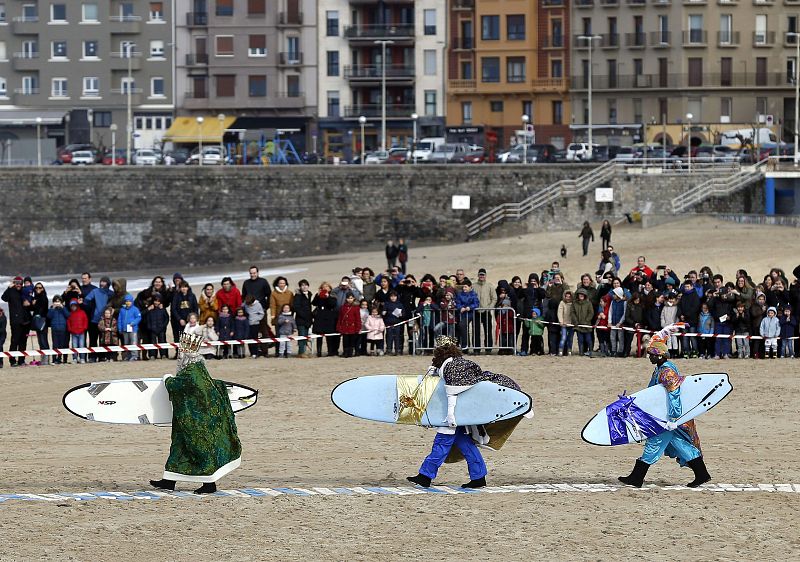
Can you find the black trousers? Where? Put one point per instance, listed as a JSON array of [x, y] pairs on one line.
[[19, 341]]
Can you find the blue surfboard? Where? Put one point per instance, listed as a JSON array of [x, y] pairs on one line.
[[376, 398]]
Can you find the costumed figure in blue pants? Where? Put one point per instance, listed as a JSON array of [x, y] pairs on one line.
[[680, 441], [460, 374]]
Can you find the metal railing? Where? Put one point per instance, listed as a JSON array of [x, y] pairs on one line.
[[560, 189], [376, 71], [683, 80], [718, 187], [378, 31], [482, 329]]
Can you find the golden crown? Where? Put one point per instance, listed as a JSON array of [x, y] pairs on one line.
[[190, 343], [441, 341]]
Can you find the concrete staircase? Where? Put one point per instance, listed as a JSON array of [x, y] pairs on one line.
[[718, 187]]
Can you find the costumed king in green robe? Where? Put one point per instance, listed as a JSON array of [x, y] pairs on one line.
[[205, 446]]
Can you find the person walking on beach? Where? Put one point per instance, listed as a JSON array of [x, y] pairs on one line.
[[587, 234], [605, 234]]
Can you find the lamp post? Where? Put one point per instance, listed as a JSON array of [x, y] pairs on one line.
[[200, 120], [414, 118], [525, 119], [589, 39], [362, 121], [383, 43], [796, 95], [689, 117], [129, 49], [90, 118], [221, 119], [8, 152], [39, 141], [113, 129]]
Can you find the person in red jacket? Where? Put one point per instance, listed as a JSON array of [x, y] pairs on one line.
[[77, 324], [229, 294], [349, 324]]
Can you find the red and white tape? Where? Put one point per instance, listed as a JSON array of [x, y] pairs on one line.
[[677, 334]]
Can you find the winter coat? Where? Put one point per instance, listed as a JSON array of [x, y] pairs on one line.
[[486, 294], [259, 288], [705, 323], [156, 320], [57, 316], [369, 290], [616, 312], [428, 315], [689, 307], [301, 304], [669, 314], [18, 314], [183, 306], [535, 326], [391, 316], [375, 327], [225, 326], [277, 299], [788, 326], [98, 300], [119, 287], [468, 299], [757, 313], [78, 322], [349, 321], [408, 295], [741, 322], [722, 305], [208, 308], [232, 298], [634, 315], [129, 316], [770, 327], [582, 313], [505, 321], [565, 312], [605, 232], [325, 314], [108, 337], [255, 313], [241, 328], [286, 324], [340, 294]]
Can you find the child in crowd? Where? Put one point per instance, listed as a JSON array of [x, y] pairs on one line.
[[375, 330], [4, 333], [564, 316], [362, 337], [286, 326], [758, 310], [788, 326], [128, 325], [705, 327], [255, 314], [193, 325], [349, 324], [393, 312], [447, 314], [156, 321], [224, 330], [506, 324], [536, 330], [427, 312], [241, 331], [603, 333], [57, 316], [771, 331], [107, 334], [669, 315], [209, 333], [77, 324], [741, 327]]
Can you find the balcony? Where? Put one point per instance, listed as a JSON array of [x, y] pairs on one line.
[[763, 2], [459, 4], [197, 59], [551, 42], [609, 3], [728, 39], [197, 19], [553, 3], [608, 41], [120, 61], [584, 3], [372, 73], [695, 38], [25, 25], [461, 86], [660, 39], [763, 39], [25, 61], [788, 39], [462, 44], [120, 96], [125, 25], [375, 110], [290, 59], [25, 96], [368, 33], [636, 3], [636, 40], [286, 100], [290, 19], [661, 3], [549, 84], [710, 81]]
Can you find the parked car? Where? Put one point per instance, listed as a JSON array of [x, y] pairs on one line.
[[398, 155], [212, 156], [145, 157], [120, 159], [376, 157], [579, 151], [476, 155], [452, 153], [425, 147], [560, 156], [177, 156], [82, 158], [64, 153], [627, 154]]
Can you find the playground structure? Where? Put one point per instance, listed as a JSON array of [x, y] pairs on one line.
[[264, 151]]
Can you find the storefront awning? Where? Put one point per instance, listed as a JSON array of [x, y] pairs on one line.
[[16, 117], [606, 126], [188, 130]]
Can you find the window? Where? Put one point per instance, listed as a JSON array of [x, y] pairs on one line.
[[257, 86], [761, 71], [725, 29], [224, 45], [527, 108], [587, 26], [333, 103], [429, 17], [30, 49], [157, 49], [58, 49], [257, 46], [466, 70], [58, 13], [126, 12], [637, 110], [791, 27], [490, 69], [466, 112], [556, 68], [224, 7], [157, 87], [91, 86], [89, 13], [293, 86], [3, 87], [256, 7], [725, 110], [30, 12], [515, 69], [791, 69], [333, 63], [293, 50], [430, 62], [58, 88], [30, 85], [612, 111], [430, 103], [638, 67], [2, 12], [558, 113], [127, 49], [332, 23], [490, 28], [663, 30], [612, 73], [226, 85], [695, 72], [515, 27], [696, 28], [157, 11], [3, 53], [127, 85], [102, 118], [663, 107], [726, 71], [199, 87], [761, 30], [496, 106], [761, 106], [556, 33]]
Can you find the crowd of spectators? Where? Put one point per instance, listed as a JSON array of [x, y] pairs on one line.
[[607, 312]]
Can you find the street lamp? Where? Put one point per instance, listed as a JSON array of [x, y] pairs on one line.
[[89, 116], [39, 141], [589, 39], [414, 118], [8, 152], [362, 121], [221, 119], [383, 43], [689, 117], [525, 119], [129, 54], [796, 94], [113, 129], [200, 120]]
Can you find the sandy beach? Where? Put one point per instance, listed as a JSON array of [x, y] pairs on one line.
[[296, 437]]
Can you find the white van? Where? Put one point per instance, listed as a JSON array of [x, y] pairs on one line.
[[425, 148], [578, 151], [764, 136]]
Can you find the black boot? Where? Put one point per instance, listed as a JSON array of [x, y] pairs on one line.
[[163, 484], [420, 479], [479, 483], [636, 478], [207, 488], [701, 475]]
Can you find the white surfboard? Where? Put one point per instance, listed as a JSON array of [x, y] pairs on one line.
[[699, 393], [376, 398], [137, 401]]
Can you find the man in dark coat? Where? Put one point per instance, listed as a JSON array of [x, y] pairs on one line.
[[19, 317]]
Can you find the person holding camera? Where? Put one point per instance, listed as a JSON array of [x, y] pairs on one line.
[[19, 317], [720, 303]]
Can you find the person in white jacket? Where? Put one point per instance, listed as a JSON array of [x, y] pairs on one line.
[[771, 331]]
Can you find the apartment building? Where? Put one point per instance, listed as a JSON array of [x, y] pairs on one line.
[[508, 59], [80, 66], [726, 63], [248, 60], [360, 43]]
